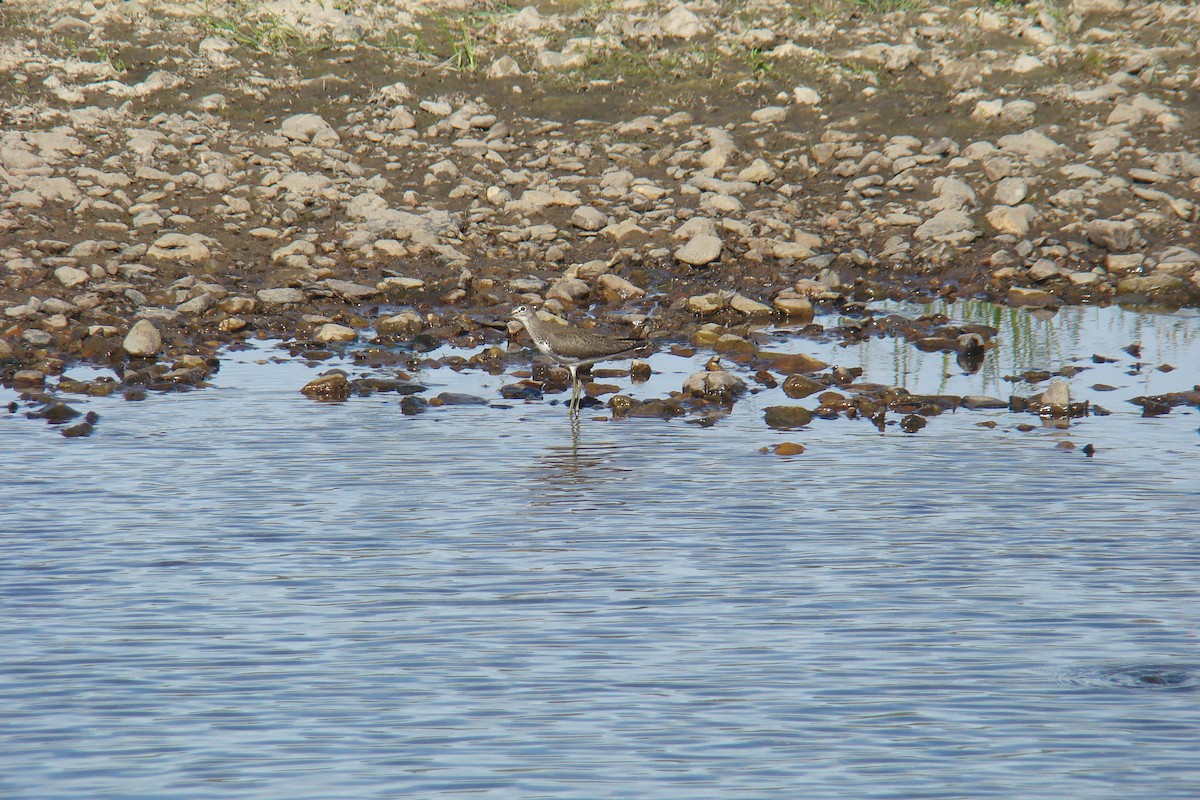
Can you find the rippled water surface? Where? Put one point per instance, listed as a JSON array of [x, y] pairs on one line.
[[238, 592]]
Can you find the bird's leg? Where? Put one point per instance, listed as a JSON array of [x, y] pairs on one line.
[[573, 406]]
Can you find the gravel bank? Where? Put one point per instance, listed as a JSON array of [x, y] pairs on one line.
[[177, 178]]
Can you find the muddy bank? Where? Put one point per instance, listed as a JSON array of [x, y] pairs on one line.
[[175, 181]]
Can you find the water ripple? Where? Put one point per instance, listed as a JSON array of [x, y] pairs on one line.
[[1139, 677]]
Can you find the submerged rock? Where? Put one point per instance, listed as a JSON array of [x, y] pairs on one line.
[[54, 412], [79, 429], [458, 399], [412, 405], [787, 416], [331, 386], [796, 386]]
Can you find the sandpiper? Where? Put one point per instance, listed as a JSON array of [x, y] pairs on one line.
[[573, 347]]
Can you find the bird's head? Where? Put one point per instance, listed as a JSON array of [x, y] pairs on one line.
[[523, 313]]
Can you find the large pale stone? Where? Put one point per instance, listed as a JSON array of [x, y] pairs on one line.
[[282, 296], [143, 340], [190, 247], [1111, 234], [953, 193], [1011, 191], [749, 307], [949, 225], [588, 218], [1034, 146], [70, 277], [309, 128], [331, 332], [1008, 219], [702, 249], [680, 23], [708, 303]]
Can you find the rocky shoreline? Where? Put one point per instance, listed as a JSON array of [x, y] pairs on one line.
[[180, 178]]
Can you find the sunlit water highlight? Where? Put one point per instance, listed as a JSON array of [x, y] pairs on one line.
[[241, 592]]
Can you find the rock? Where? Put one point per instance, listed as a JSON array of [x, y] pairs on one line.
[[791, 306], [388, 385], [1085, 279], [1007, 219], [70, 277], [197, 305], [412, 405], [750, 308], [953, 194], [1179, 255], [797, 386], [1026, 63], [1010, 191], [39, 190], [805, 96], [331, 386], [28, 378], [732, 343], [54, 412], [893, 57], [1123, 263], [702, 249], [190, 247], [1058, 397], [911, 423], [759, 171], [788, 449], [1030, 298], [721, 150], [976, 401], [79, 429], [72, 27], [708, 303], [400, 284], [504, 67], [373, 212], [791, 363], [714, 383], [1019, 112], [1159, 286], [617, 288], [1111, 234], [769, 114], [1097, 6], [349, 290], [535, 201], [987, 109], [458, 399], [588, 219], [1043, 269], [282, 296], [1034, 146], [787, 416], [331, 332], [568, 290], [310, 129], [680, 23], [952, 225], [143, 340]]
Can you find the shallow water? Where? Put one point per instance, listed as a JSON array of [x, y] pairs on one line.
[[241, 592]]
